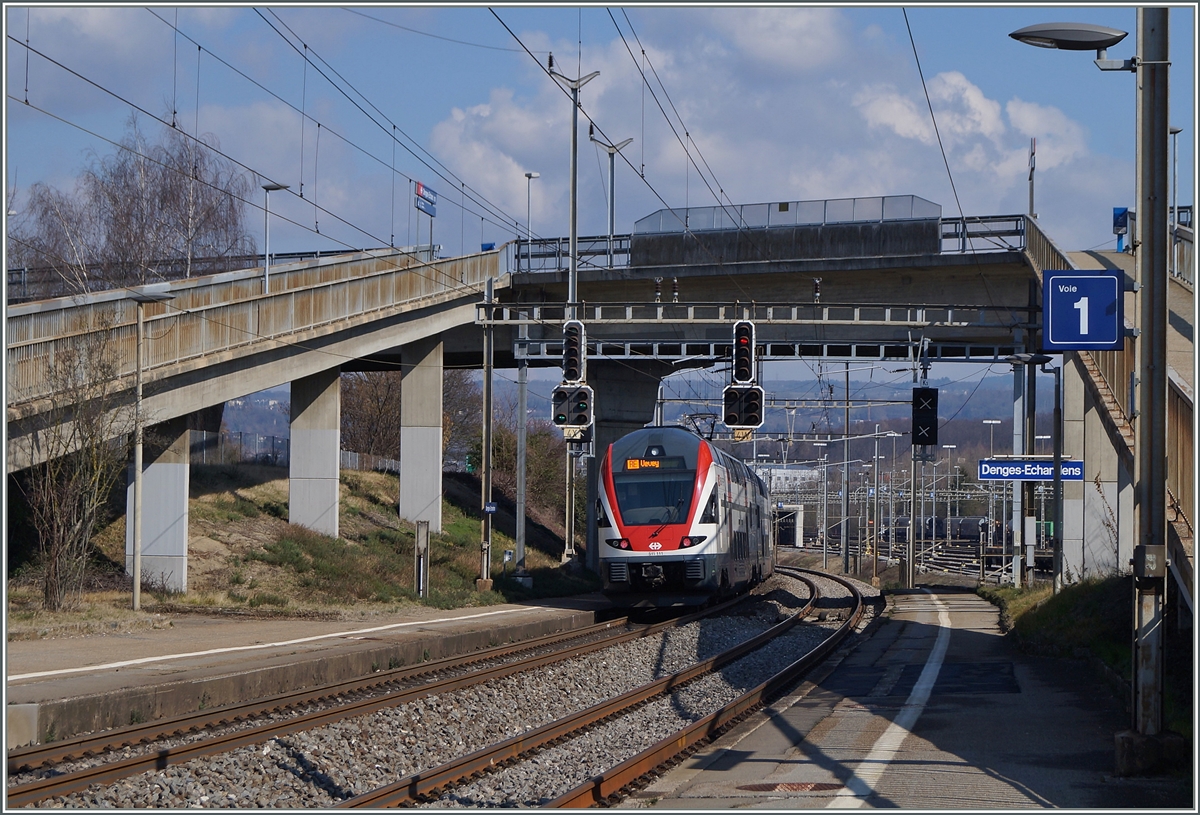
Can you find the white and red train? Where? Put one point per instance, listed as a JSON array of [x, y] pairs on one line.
[[679, 522]]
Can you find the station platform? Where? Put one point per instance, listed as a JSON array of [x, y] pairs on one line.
[[59, 688]]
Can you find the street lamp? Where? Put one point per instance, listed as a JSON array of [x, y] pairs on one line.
[[573, 273], [1152, 64], [949, 486], [612, 150], [1175, 131], [991, 423], [824, 505], [141, 298], [529, 215], [268, 189]]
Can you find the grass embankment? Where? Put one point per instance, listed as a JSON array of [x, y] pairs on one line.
[[244, 557], [1094, 618]]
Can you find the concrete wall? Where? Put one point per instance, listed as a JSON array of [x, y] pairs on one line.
[[316, 439], [888, 238], [421, 433]]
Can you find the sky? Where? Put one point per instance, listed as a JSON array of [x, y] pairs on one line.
[[742, 105], [767, 104]]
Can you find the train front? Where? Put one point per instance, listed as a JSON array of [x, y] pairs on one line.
[[657, 519]]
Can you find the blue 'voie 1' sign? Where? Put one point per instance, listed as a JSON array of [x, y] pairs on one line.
[[1083, 311], [1025, 470], [426, 207]]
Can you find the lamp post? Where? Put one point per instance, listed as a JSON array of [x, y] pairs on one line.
[[529, 178], [991, 536], [141, 298], [1175, 131], [1152, 65], [268, 189], [612, 150], [573, 273], [949, 486], [824, 505]]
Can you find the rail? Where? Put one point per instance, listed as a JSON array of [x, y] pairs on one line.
[[229, 312]]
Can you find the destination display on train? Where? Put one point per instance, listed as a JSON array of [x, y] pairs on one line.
[[1026, 470], [666, 463]]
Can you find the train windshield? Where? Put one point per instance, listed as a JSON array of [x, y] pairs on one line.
[[654, 497], [654, 474]]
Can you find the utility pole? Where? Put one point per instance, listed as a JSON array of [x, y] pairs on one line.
[[612, 150], [573, 273], [846, 480], [484, 583]]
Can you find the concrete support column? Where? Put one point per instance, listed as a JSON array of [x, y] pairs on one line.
[[315, 452], [1074, 562], [626, 396], [421, 433], [165, 486]]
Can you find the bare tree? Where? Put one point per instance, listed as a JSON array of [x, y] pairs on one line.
[[371, 412], [85, 442], [148, 211], [462, 416]]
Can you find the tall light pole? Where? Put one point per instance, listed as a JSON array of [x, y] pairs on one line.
[[573, 273], [949, 486], [612, 150], [529, 178], [1175, 131], [1152, 67], [141, 298], [824, 505], [268, 189], [991, 538]]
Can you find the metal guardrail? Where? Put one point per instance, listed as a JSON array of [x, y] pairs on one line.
[[228, 312], [1183, 266], [870, 209], [987, 233]]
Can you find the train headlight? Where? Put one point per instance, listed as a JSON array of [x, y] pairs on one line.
[[618, 543], [692, 540]]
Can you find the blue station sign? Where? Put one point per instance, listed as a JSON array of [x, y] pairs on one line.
[[426, 207], [1027, 470], [1083, 311]]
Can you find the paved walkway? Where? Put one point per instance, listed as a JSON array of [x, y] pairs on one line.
[[936, 710]]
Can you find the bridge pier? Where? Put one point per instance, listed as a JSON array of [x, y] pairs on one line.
[[420, 496], [314, 469], [166, 484], [626, 394]]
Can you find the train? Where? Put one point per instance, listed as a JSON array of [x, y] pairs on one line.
[[679, 521]]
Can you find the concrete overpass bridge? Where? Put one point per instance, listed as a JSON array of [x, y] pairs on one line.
[[852, 279]]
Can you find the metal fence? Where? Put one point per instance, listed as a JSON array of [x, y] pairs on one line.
[[235, 447], [789, 213]]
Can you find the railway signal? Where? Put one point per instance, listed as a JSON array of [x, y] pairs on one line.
[[743, 406], [743, 351], [572, 406], [574, 360], [925, 416]]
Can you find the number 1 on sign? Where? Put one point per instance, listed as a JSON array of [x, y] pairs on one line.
[[1081, 305]]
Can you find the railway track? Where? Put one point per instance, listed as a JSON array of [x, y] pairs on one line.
[[444, 784], [334, 703]]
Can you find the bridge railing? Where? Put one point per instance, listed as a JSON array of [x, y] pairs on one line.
[[553, 254], [228, 312], [1183, 266]]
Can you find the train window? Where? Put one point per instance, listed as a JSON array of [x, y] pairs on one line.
[[654, 497], [711, 514]]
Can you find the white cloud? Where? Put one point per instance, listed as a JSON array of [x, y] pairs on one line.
[[883, 106], [785, 39], [1060, 140]]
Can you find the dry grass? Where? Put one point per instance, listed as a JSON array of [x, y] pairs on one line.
[[244, 558]]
